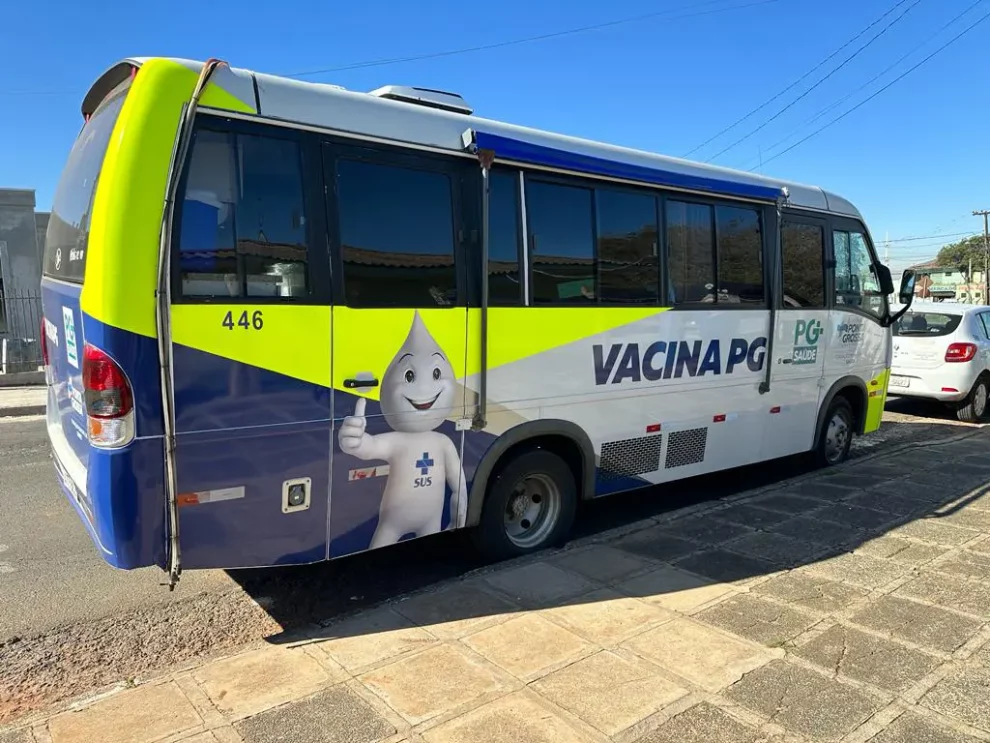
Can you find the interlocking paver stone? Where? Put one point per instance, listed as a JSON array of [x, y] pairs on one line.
[[750, 515], [968, 518], [860, 570], [516, 718], [949, 591], [857, 517], [897, 505], [703, 722], [822, 490], [900, 550], [609, 692], [17, 736], [336, 715], [455, 611], [964, 695], [373, 637], [803, 701], [936, 532], [928, 626], [858, 478], [539, 584], [788, 503], [602, 563], [782, 551], [724, 566], [863, 657], [607, 617], [675, 589], [432, 683], [143, 714], [912, 728], [811, 592], [527, 646], [757, 619], [705, 529], [812, 529], [657, 545], [702, 655], [966, 563], [921, 491]]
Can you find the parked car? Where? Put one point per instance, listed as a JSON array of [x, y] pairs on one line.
[[941, 351]]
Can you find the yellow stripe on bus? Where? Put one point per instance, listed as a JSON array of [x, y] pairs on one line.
[[125, 224], [875, 401]]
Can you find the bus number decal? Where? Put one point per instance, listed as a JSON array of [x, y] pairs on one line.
[[256, 320]]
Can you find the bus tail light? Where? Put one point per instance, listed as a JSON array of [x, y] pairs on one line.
[[958, 352], [109, 400]]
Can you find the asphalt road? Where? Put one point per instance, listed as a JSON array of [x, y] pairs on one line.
[[70, 623]]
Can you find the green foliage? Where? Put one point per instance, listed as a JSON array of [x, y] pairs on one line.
[[958, 254]]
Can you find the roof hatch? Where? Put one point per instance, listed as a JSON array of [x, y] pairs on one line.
[[424, 97]]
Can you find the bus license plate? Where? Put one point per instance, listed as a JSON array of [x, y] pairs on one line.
[[896, 381]]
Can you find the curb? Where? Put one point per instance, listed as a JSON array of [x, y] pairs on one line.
[[22, 379], [18, 411]]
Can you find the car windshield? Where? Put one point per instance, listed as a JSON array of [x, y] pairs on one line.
[[926, 323]]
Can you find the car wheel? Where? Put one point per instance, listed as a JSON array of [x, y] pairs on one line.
[[974, 407], [836, 435], [530, 505]]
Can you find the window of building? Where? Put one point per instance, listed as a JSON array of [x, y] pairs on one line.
[[561, 243], [740, 255], [627, 247], [691, 253], [242, 230], [504, 278], [856, 283], [802, 258], [396, 235]]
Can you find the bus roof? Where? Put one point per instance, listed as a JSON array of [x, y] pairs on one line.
[[442, 122]]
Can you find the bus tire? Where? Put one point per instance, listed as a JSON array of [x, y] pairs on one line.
[[529, 505], [974, 408], [836, 435]]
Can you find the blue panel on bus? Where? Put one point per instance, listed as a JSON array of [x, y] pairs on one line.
[[516, 150]]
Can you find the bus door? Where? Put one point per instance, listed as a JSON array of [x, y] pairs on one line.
[[398, 241], [251, 336], [798, 363]]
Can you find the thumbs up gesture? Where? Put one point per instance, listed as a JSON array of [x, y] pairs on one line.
[[352, 431]]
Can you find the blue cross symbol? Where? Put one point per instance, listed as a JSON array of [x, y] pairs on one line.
[[424, 464]]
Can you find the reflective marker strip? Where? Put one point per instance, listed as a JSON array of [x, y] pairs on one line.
[[210, 496]]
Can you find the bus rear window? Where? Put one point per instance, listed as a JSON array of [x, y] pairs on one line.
[[68, 227], [926, 323]]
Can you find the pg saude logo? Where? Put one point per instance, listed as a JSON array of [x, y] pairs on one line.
[[806, 336]]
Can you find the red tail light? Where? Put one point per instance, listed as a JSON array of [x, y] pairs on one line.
[[957, 352], [108, 393], [44, 341]]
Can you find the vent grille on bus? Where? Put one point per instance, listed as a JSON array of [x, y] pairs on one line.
[[630, 457], [686, 447]]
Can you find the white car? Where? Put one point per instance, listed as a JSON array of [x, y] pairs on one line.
[[941, 351]]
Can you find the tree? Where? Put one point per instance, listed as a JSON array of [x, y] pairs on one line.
[[959, 254]]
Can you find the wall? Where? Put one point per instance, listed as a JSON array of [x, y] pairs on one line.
[[20, 271]]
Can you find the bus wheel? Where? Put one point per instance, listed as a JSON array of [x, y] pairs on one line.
[[836, 435], [530, 505]]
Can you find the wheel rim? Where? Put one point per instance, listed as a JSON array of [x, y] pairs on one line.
[[836, 437], [532, 511], [980, 400]]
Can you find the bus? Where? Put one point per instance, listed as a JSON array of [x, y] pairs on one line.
[[285, 322]]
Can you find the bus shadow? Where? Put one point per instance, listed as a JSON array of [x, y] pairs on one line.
[[873, 508]]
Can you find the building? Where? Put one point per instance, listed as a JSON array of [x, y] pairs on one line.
[[22, 239], [948, 283]]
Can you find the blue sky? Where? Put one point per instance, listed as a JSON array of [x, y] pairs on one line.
[[914, 160]]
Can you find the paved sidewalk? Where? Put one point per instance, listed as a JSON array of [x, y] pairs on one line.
[[851, 606], [22, 400]]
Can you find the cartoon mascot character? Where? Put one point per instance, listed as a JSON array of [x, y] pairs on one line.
[[417, 393]]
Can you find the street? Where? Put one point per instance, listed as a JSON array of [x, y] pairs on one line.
[[69, 623]]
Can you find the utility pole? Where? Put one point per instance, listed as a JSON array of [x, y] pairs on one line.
[[986, 252]]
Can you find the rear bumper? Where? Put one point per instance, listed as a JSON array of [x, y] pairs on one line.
[[936, 384]]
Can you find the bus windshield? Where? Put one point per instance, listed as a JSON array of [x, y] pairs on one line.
[[68, 228]]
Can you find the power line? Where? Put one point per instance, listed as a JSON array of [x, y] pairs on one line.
[[897, 79], [540, 37], [808, 92], [814, 69], [840, 101], [931, 237]]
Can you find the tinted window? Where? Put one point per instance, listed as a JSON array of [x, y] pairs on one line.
[[242, 228], [926, 323], [856, 284], [561, 243], [802, 257], [627, 247], [504, 284], [396, 235], [68, 227], [740, 255], [691, 243]]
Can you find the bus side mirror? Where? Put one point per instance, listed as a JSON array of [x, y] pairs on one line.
[[886, 282], [908, 280]]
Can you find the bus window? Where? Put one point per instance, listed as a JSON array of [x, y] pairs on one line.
[[504, 284], [740, 255], [802, 256], [691, 251], [242, 230], [396, 235], [627, 247], [856, 283], [561, 243]]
